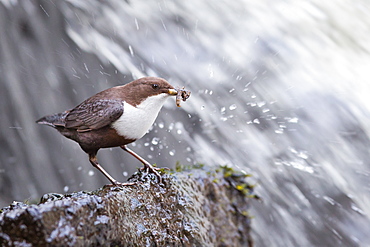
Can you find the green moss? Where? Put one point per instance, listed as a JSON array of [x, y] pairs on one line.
[[254, 196], [237, 180], [163, 170], [180, 167], [227, 171], [245, 213]]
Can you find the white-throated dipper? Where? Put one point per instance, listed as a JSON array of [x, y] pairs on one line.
[[114, 117]]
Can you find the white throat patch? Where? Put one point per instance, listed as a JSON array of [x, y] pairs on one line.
[[136, 121]]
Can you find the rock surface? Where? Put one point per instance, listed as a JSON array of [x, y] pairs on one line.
[[198, 207]]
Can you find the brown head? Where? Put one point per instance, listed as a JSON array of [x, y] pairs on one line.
[[140, 89]]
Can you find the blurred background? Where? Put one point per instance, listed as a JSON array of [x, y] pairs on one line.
[[280, 90]]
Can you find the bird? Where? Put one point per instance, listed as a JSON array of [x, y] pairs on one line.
[[114, 117]]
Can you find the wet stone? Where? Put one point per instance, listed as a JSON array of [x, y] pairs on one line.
[[193, 207]]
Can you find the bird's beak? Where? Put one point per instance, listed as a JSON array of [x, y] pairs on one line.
[[172, 91]]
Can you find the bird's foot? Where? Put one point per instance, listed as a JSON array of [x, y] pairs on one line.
[[151, 169]]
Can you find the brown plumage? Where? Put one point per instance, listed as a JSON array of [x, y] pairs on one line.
[[114, 118]]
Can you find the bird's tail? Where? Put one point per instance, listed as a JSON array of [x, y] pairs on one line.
[[54, 120]]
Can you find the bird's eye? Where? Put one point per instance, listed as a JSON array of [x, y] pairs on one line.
[[155, 86]]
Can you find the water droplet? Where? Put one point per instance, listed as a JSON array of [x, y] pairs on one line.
[[155, 140], [87, 69], [161, 125], [223, 109], [91, 173], [131, 50], [231, 90], [172, 152], [179, 132], [137, 24], [232, 107], [293, 120], [125, 174], [302, 155], [256, 121], [357, 209], [65, 189], [279, 131]]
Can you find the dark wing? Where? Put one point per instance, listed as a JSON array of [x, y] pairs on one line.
[[94, 115]]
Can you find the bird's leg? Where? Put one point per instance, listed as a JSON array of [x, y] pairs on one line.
[[147, 165], [94, 162]]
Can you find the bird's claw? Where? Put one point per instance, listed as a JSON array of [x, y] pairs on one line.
[[151, 169]]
